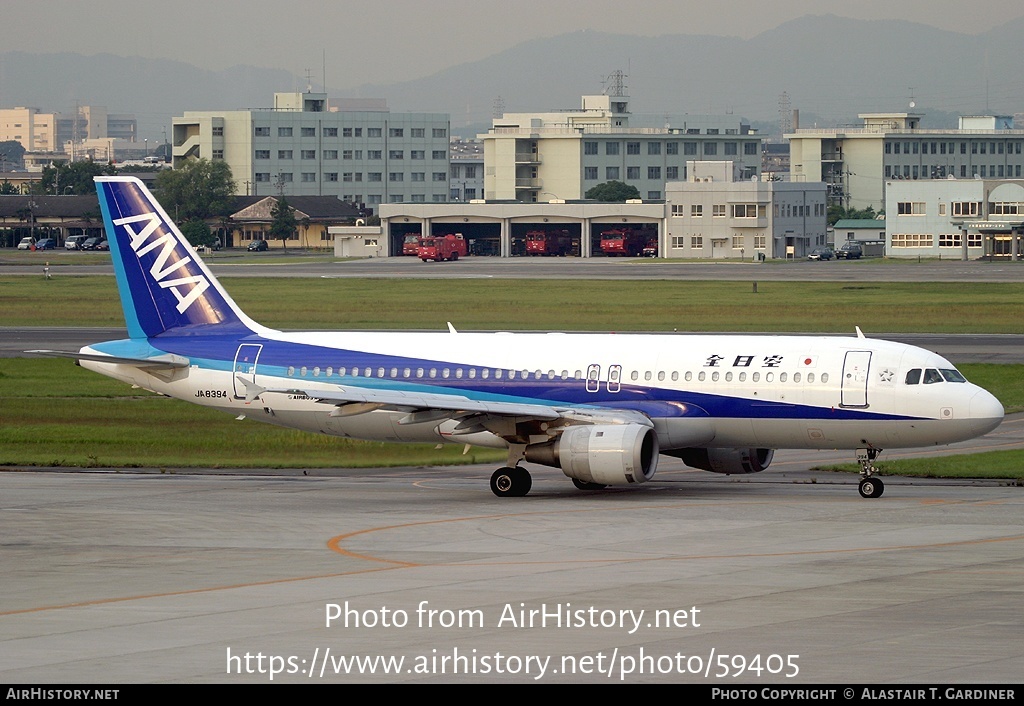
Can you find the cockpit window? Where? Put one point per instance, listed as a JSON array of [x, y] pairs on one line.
[[914, 376], [931, 375], [952, 375]]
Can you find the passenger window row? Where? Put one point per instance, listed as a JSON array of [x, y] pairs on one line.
[[434, 373], [728, 376], [501, 374]]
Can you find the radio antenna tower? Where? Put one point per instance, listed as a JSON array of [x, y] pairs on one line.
[[785, 114], [615, 84]]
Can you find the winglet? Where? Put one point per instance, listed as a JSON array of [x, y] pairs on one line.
[[451, 329], [860, 334]]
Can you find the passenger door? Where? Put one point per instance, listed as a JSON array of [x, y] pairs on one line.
[[854, 391]]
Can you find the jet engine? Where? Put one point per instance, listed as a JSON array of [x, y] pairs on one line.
[[610, 454], [728, 461]]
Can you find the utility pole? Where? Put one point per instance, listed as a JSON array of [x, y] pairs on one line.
[[32, 219]]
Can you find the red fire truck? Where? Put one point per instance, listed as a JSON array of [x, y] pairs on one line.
[[551, 242], [411, 244], [442, 247], [624, 241]]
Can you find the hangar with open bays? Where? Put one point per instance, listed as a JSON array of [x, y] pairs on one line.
[[501, 228]]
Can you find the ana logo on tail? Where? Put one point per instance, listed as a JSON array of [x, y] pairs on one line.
[[192, 286]]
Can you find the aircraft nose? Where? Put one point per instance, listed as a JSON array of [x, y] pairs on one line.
[[986, 411]]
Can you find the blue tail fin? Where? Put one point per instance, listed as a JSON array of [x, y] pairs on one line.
[[163, 284]]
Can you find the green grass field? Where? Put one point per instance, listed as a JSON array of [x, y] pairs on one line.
[[54, 413], [1007, 465], [595, 305]]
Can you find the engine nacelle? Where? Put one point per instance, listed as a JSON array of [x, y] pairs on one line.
[[728, 461], [609, 454]]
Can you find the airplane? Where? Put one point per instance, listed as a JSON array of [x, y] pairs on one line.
[[600, 407]]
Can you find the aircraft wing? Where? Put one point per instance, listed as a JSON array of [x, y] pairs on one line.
[[168, 361], [426, 406]]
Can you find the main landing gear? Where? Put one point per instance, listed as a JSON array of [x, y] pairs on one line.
[[870, 487], [511, 482]]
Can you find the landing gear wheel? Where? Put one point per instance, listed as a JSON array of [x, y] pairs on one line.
[[871, 488], [511, 482], [583, 485]]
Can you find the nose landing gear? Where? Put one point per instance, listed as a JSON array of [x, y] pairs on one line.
[[870, 487]]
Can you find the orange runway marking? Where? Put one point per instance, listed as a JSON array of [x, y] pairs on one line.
[[335, 543]]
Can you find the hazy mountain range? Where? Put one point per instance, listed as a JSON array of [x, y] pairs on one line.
[[830, 67]]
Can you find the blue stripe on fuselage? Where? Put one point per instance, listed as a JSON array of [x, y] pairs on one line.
[[286, 360]]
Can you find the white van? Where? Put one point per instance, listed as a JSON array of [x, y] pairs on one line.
[[26, 243], [74, 242]]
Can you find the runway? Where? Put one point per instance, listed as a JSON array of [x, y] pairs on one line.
[[304, 265]]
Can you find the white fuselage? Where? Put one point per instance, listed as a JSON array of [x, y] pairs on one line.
[[698, 390]]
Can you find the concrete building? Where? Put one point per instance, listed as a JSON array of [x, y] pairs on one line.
[[467, 170], [35, 130], [304, 146], [716, 214], [561, 155], [56, 133], [501, 228], [955, 218], [857, 162], [358, 241]]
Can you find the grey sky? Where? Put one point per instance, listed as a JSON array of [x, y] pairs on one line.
[[396, 40]]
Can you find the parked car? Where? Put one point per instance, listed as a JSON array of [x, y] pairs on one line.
[[821, 254], [258, 246], [46, 244], [102, 245], [74, 242], [90, 243], [849, 251], [26, 243]]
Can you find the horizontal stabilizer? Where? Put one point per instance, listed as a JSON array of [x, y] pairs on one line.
[[167, 361]]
